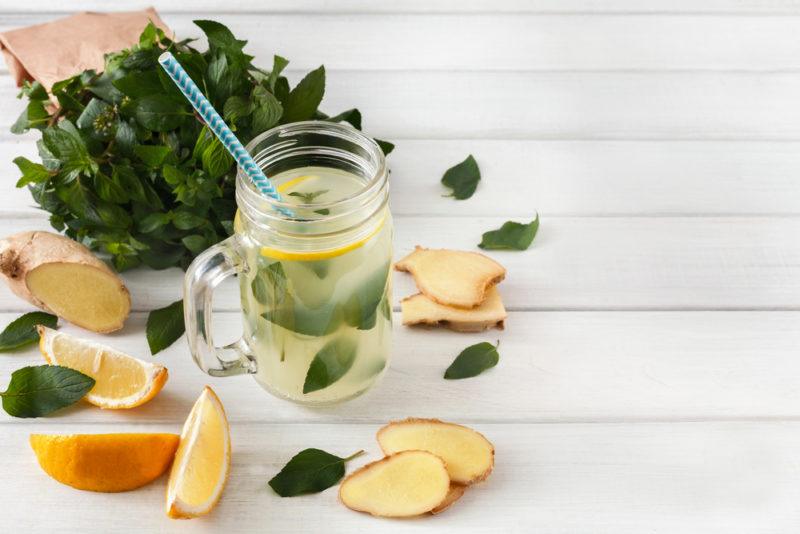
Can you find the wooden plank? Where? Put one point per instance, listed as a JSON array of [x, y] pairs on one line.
[[556, 105], [618, 478], [554, 366], [580, 263], [348, 7], [500, 42], [580, 178]]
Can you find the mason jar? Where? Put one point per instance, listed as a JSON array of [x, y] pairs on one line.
[[313, 268]]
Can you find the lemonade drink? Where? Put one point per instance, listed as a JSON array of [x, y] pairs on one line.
[[318, 322]]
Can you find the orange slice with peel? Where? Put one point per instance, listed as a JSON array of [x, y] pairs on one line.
[[104, 462]]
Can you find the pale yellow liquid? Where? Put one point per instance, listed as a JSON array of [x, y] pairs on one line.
[[336, 309]]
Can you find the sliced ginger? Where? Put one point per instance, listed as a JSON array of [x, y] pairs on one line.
[[453, 494], [63, 277], [121, 381], [104, 462], [401, 485], [419, 309], [452, 277], [468, 455]]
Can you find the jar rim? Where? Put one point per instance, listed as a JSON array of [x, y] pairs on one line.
[[279, 209]]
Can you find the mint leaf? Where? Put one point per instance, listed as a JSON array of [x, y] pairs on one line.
[[267, 112], [511, 236], [33, 116], [32, 173], [216, 159], [462, 178], [153, 155], [309, 197], [65, 142], [473, 361], [165, 326], [22, 331], [306, 97], [386, 146], [40, 390], [278, 64], [160, 113], [351, 116], [330, 364], [310, 471], [237, 107], [269, 284]]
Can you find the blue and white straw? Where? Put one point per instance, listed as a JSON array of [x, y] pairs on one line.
[[217, 125]]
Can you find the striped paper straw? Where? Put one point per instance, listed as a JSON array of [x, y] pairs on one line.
[[217, 125]]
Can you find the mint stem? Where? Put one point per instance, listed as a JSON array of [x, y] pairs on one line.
[[354, 455]]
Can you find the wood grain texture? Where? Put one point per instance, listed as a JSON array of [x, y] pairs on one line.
[[503, 42], [608, 479], [554, 366], [558, 105], [572, 178], [578, 263], [347, 7]]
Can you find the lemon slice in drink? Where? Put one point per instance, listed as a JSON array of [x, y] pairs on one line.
[[203, 460], [285, 255], [121, 381]]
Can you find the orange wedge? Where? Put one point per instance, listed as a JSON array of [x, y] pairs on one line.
[[104, 462], [121, 381], [203, 460]]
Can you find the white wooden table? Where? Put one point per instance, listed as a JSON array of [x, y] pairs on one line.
[[649, 378]]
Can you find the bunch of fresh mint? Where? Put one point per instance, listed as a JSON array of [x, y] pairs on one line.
[[129, 169]]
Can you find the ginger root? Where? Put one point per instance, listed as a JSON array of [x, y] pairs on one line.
[[452, 277], [406, 484], [63, 277], [468, 455], [419, 309], [453, 494]]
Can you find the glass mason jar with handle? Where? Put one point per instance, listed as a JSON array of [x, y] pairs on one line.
[[314, 269]]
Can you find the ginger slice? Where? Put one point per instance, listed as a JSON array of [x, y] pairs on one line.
[[452, 277], [454, 493], [419, 309], [63, 277], [468, 455], [401, 485]]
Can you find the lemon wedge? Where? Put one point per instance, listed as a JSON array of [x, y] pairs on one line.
[[121, 381], [104, 462], [203, 460]]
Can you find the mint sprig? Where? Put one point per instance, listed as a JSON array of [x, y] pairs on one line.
[[129, 169]]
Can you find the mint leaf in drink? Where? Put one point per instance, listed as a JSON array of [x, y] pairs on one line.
[[310, 471], [165, 326], [40, 390], [22, 331], [269, 284], [473, 361], [330, 364], [462, 178], [511, 236], [309, 197], [306, 97]]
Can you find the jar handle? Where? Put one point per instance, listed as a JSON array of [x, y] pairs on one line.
[[205, 273]]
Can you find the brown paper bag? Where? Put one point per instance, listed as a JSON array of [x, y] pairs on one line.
[[57, 50]]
